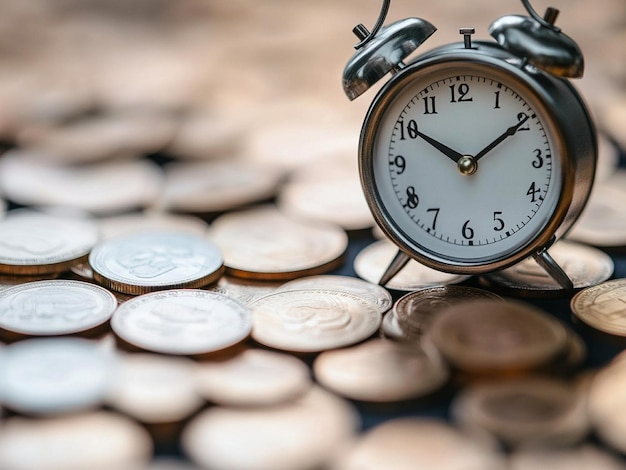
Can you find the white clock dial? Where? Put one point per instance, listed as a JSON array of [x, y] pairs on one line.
[[465, 165]]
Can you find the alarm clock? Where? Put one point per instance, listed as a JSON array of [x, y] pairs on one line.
[[475, 155]]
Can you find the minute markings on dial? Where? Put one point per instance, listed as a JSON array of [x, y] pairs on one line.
[[417, 170]]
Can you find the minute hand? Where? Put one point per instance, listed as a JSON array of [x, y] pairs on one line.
[[509, 132]]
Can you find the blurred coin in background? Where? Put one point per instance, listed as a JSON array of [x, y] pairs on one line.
[[33, 242]]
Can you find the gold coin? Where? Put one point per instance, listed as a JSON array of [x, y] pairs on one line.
[[316, 426], [525, 337], [584, 265], [603, 307], [381, 371], [312, 320], [370, 264], [264, 244], [148, 261], [375, 294], [255, 377], [39, 243], [415, 311], [183, 322], [529, 412]]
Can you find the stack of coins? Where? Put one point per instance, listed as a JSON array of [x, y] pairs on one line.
[[189, 279]]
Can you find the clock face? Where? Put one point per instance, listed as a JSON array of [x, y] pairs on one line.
[[464, 164]]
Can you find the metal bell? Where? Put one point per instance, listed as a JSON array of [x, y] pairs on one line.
[[540, 43], [384, 53]]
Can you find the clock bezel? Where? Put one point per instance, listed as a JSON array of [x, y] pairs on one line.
[[576, 148]]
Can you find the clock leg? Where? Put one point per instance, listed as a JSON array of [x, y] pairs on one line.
[[397, 263], [546, 261]]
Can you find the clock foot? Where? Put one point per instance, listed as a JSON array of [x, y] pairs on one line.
[[546, 261], [397, 263]]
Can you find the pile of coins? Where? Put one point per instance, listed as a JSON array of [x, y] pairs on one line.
[[189, 276]]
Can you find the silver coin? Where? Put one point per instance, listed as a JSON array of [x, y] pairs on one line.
[[149, 261], [184, 321], [35, 242], [54, 375], [55, 307], [375, 294], [313, 320]]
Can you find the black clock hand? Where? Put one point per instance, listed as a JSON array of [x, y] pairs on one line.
[[447, 151], [523, 117]]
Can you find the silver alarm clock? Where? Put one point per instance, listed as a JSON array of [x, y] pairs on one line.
[[477, 154]]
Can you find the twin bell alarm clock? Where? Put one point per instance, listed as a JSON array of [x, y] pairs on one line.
[[477, 154]]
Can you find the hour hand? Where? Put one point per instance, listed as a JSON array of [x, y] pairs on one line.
[[447, 151]]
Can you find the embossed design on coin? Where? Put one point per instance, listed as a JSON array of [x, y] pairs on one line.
[[148, 261], [262, 243], [415, 311], [54, 375], [375, 294], [184, 321], [371, 262], [55, 307], [584, 265], [38, 243], [469, 334], [312, 320], [381, 371], [603, 307]]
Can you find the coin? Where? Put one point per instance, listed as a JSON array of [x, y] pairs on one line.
[[216, 186], [375, 294], [415, 311], [524, 413], [154, 388], [312, 320], [525, 337], [381, 371], [584, 457], [55, 307], [148, 261], [315, 425], [602, 222], [262, 243], [585, 266], [38, 243], [370, 264], [409, 443], [54, 375], [603, 307], [244, 290], [98, 440], [331, 200], [606, 405], [183, 322], [254, 377], [390, 327], [99, 188]]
